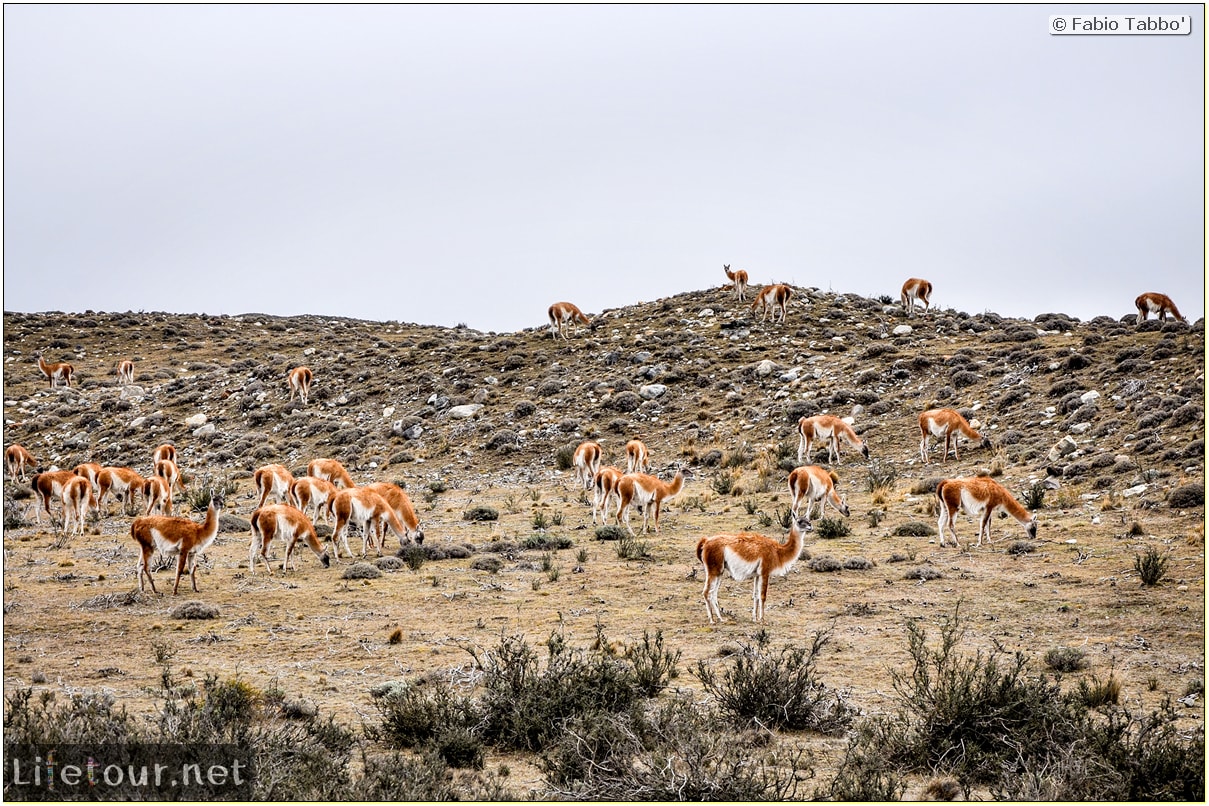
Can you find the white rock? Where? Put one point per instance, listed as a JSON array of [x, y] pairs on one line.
[[206, 430], [706, 312], [1132, 491], [1062, 448], [133, 392], [386, 412], [309, 351], [1088, 397], [137, 422], [765, 368], [652, 391], [792, 375], [1080, 428], [195, 420], [463, 412], [903, 330]]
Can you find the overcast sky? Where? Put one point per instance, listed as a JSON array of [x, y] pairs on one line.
[[473, 164]]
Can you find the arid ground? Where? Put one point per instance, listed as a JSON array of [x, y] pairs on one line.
[[714, 392]]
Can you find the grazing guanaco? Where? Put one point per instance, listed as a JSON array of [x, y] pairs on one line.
[[368, 510], [164, 452], [288, 523], [398, 500], [126, 372], [771, 299], [739, 278], [947, 423], [562, 314], [49, 485], [90, 471], [979, 496], [157, 494], [77, 496], [55, 372], [310, 494], [272, 480], [746, 555], [813, 483], [17, 459], [330, 470], [604, 486], [122, 482], [645, 490], [300, 383], [637, 457], [1160, 304], [830, 428], [182, 535], [167, 470], [586, 462], [915, 290]]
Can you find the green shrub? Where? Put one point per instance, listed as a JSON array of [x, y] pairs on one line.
[[540, 521], [1151, 567], [1034, 496], [414, 555], [1066, 659], [546, 543], [723, 483], [675, 752], [654, 665], [564, 457], [777, 690], [525, 705], [881, 477], [610, 533], [631, 548], [481, 513], [832, 527], [913, 529]]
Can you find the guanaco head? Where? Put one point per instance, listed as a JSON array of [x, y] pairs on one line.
[[844, 506], [326, 559], [1030, 528], [865, 450]]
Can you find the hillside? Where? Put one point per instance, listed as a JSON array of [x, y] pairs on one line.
[[1111, 413]]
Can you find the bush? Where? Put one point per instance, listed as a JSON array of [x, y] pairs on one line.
[[825, 565], [525, 706], [547, 542], [1187, 496], [777, 690], [487, 563], [630, 548], [923, 573], [564, 458], [858, 564], [481, 513], [361, 571], [1066, 659], [971, 716], [882, 476], [1034, 496], [676, 752], [1151, 567], [654, 666], [913, 529], [610, 533], [832, 527]]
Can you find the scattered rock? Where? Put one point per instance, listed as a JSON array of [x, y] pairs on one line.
[[466, 411], [195, 420]]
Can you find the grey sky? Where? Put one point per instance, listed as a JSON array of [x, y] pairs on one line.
[[474, 164]]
